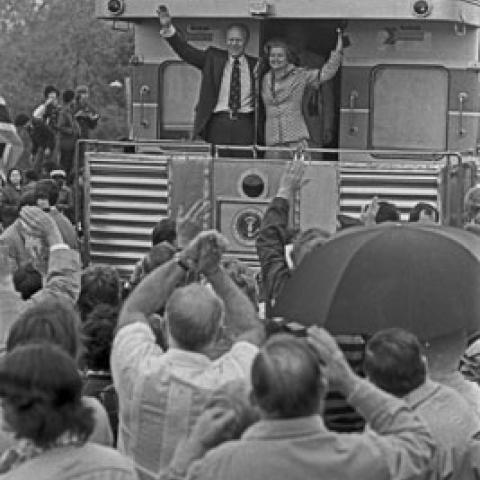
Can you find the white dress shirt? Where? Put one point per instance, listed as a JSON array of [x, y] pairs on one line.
[[245, 85]]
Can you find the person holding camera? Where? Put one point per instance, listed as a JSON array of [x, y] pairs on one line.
[[290, 378], [44, 128]]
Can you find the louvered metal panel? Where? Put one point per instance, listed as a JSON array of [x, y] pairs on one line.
[[404, 185], [127, 195]]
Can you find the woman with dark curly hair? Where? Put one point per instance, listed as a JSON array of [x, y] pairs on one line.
[[56, 322], [98, 331], [99, 284], [41, 391]]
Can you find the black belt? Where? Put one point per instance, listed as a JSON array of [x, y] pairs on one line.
[[234, 116]]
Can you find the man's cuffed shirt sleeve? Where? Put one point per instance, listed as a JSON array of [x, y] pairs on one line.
[[168, 32]]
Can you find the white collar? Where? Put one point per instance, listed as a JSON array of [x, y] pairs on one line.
[[241, 59]]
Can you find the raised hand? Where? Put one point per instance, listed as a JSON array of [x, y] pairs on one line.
[[292, 178], [339, 46], [37, 223], [340, 375], [206, 251], [369, 212], [190, 224], [210, 251], [164, 17]]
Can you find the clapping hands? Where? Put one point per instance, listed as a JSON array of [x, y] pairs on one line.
[[206, 251]]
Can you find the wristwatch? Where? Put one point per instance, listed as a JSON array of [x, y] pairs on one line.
[[184, 262]]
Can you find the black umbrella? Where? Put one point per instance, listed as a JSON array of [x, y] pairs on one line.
[[424, 278]]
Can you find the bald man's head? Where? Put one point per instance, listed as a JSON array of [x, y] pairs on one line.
[[194, 314]]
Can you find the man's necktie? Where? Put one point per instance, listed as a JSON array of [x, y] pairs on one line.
[[235, 88]]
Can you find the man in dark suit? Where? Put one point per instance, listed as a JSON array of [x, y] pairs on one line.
[[225, 109]]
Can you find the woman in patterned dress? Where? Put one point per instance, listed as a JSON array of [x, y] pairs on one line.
[[282, 92]]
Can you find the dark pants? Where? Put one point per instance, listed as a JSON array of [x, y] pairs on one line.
[[67, 156], [222, 129]]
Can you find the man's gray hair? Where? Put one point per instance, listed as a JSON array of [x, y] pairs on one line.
[[242, 27], [194, 314]]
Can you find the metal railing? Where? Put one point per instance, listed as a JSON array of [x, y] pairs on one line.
[[174, 146], [370, 160]]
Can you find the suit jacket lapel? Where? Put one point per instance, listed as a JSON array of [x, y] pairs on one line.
[[219, 67]]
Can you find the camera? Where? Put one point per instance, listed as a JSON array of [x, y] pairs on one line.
[[282, 325]]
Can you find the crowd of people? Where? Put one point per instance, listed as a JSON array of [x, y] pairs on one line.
[[49, 135], [176, 375], [55, 126]]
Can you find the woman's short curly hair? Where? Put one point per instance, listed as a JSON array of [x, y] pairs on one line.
[[100, 284], [280, 43], [98, 332], [42, 393]]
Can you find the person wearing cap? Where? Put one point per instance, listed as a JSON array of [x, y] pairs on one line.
[[63, 272], [65, 195]]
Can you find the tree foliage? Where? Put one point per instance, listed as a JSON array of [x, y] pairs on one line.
[[60, 42]]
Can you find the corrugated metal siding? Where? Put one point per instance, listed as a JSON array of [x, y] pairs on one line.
[[404, 185], [127, 195]]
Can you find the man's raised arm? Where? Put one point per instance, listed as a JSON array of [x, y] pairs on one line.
[[272, 236], [183, 49], [241, 319], [63, 275], [152, 293], [399, 443]]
